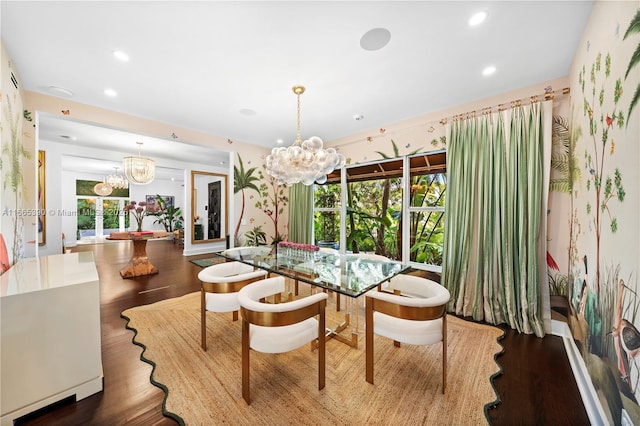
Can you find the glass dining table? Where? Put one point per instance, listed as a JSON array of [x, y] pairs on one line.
[[347, 274]]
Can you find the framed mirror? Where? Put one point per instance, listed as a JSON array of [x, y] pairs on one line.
[[208, 207]]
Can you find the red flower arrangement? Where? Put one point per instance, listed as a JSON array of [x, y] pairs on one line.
[[139, 211], [298, 246]]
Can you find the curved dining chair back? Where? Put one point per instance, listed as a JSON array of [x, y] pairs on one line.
[[279, 327], [410, 310], [248, 250], [219, 289]]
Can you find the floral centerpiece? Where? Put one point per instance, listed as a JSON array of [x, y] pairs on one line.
[[298, 246], [139, 211], [305, 252]]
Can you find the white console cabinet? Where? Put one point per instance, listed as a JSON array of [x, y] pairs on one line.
[[49, 333]]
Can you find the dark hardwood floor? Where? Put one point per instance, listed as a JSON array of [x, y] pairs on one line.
[[536, 387]]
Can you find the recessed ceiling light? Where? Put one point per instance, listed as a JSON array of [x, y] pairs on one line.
[[57, 90], [489, 70], [280, 141], [110, 92], [375, 39], [358, 117], [120, 55], [477, 18], [223, 162]]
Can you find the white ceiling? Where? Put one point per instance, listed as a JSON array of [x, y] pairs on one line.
[[115, 144], [206, 65]]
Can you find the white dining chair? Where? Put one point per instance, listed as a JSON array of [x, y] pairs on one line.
[[219, 288], [279, 327], [410, 310]]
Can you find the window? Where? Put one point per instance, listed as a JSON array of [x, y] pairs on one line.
[[100, 216], [427, 191], [376, 220], [326, 220]]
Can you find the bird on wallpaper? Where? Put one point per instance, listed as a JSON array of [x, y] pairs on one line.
[[630, 339], [584, 259], [268, 212], [551, 263]]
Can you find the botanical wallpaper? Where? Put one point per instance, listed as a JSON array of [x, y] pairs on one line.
[[16, 166], [260, 205], [605, 85]]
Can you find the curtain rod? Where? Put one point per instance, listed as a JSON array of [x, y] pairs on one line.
[[548, 94]]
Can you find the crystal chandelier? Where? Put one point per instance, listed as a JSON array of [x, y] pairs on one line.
[[305, 162], [117, 181], [139, 170], [103, 189]]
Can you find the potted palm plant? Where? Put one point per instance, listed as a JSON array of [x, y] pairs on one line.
[[169, 216]]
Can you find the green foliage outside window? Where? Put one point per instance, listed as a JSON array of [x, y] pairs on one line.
[[374, 217], [86, 213]]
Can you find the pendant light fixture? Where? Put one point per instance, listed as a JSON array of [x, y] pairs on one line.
[[103, 189], [117, 181], [305, 162], [139, 170]]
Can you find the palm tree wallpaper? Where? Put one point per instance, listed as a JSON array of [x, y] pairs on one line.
[[243, 180]]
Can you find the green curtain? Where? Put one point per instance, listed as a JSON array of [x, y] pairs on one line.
[[495, 220], [301, 213]]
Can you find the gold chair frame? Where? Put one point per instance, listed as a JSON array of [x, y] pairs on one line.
[[277, 319], [423, 313], [219, 288]]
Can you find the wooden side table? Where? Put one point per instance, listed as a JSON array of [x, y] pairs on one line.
[[139, 264]]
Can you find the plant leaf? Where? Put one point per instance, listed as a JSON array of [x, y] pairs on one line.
[[635, 58], [633, 103], [634, 26]]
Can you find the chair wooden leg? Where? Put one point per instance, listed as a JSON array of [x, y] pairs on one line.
[[234, 316], [203, 320], [245, 362], [337, 302], [396, 343], [295, 288], [444, 352], [369, 339], [321, 350]]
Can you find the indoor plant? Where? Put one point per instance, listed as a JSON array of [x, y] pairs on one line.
[[138, 211], [168, 216]]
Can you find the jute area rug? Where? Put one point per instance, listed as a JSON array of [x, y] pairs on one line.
[[204, 388]]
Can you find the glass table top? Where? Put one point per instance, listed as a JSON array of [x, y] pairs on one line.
[[347, 274]]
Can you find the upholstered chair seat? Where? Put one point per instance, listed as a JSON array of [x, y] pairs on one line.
[[409, 310], [280, 327], [219, 289]]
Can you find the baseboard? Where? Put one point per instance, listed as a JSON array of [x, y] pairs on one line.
[[585, 386], [81, 391]]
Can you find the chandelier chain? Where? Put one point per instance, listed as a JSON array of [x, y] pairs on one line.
[[298, 140]]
